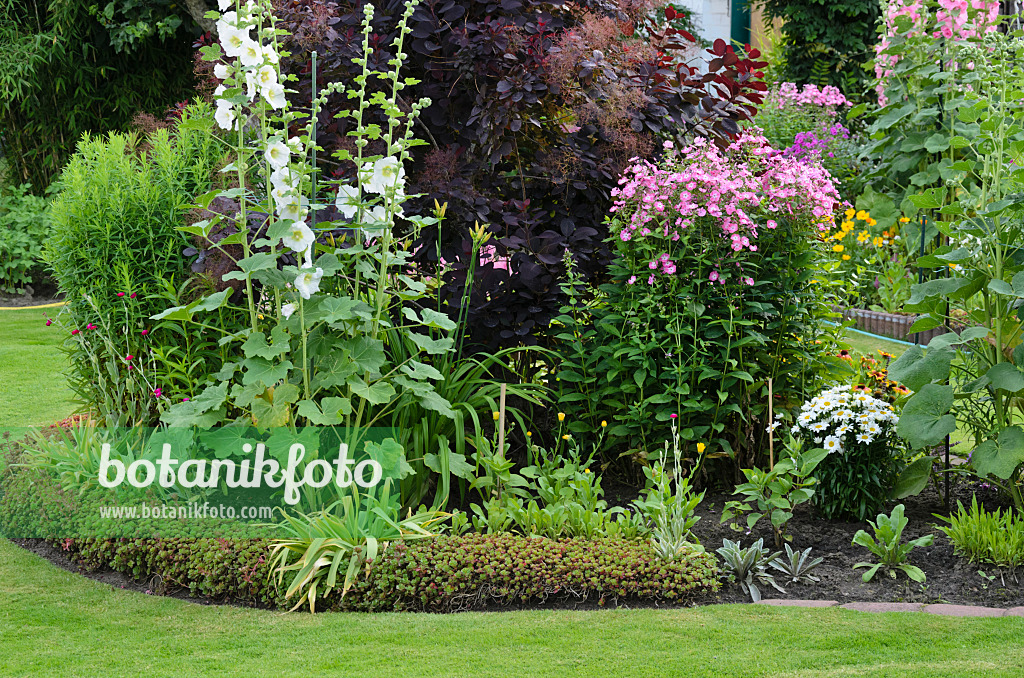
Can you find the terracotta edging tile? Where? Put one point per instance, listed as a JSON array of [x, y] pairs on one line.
[[884, 607], [783, 602], [965, 610]]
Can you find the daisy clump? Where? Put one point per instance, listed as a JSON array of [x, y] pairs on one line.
[[864, 455]]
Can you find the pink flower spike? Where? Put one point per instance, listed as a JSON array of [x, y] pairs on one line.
[[157, 393], [120, 294]]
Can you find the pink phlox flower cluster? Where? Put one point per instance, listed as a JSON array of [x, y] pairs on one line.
[[741, 189], [788, 94]]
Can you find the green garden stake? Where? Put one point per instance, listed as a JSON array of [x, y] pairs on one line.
[[312, 139]]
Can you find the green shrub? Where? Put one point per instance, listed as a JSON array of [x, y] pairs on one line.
[[24, 224], [117, 254], [986, 536]]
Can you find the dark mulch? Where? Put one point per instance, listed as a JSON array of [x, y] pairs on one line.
[[950, 579], [43, 293]]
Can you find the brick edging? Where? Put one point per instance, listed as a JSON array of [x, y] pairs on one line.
[[938, 608]]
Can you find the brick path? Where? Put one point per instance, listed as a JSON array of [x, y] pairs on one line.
[[942, 609]]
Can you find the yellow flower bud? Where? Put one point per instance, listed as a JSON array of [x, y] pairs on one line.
[[566, 436], [604, 424], [496, 415], [561, 416], [701, 447], [529, 434]]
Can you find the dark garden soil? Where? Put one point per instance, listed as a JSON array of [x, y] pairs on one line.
[[44, 293], [950, 579]]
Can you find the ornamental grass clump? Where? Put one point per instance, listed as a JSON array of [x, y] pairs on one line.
[[864, 460]]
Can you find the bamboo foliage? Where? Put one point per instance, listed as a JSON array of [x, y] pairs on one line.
[[67, 69]]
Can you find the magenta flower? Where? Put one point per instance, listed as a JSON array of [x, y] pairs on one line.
[[129, 357], [120, 294], [90, 326], [48, 322], [673, 416], [133, 295], [185, 399], [157, 393], [74, 332], [713, 276], [144, 332]]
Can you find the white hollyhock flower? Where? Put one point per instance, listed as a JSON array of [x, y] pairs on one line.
[[294, 209], [375, 220], [220, 89], [224, 4], [265, 77], [285, 181], [232, 39], [225, 115], [251, 54], [308, 282], [287, 310], [250, 84], [299, 237], [277, 154], [348, 201], [274, 94], [295, 144], [385, 173], [222, 71], [270, 55]]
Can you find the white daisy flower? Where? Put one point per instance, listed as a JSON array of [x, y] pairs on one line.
[[832, 444]]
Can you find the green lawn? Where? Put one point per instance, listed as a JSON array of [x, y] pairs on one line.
[[32, 387], [868, 345], [56, 623]]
